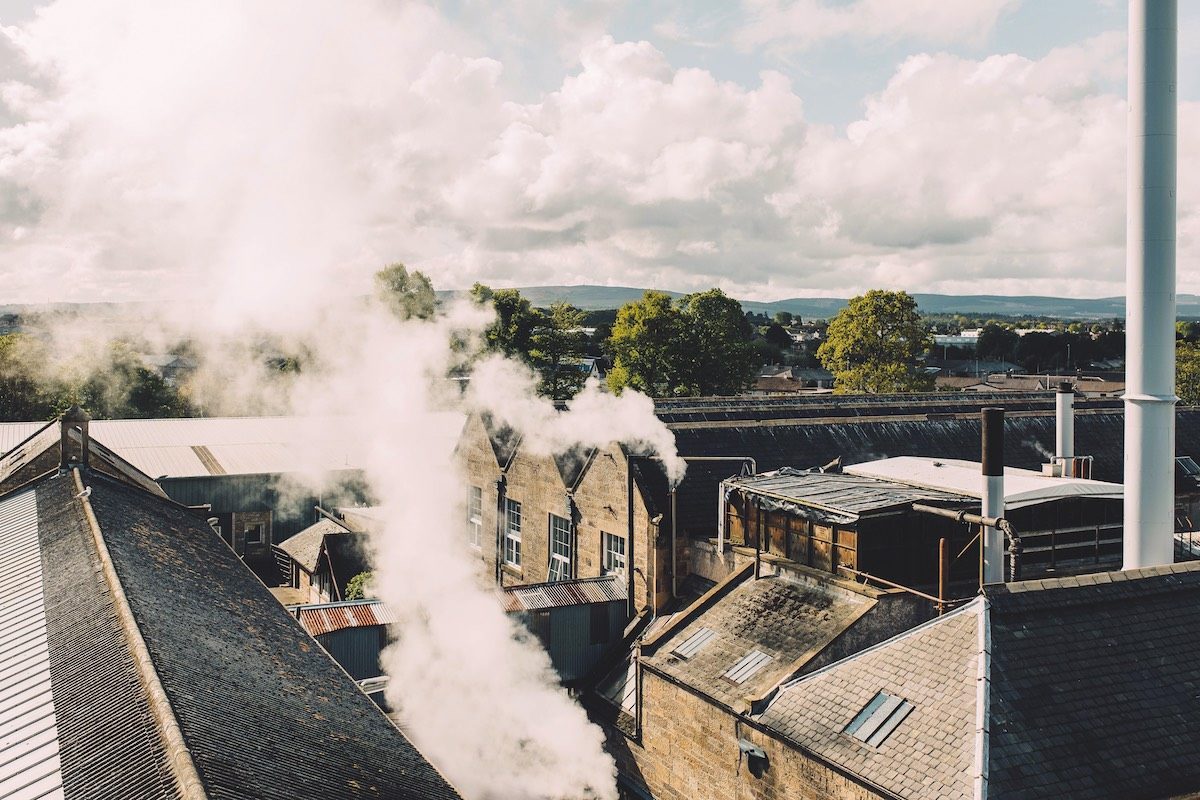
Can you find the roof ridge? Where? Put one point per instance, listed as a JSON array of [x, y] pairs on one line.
[[179, 757], [983, 689]]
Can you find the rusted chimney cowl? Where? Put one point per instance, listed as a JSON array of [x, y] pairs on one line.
[[75, 419]]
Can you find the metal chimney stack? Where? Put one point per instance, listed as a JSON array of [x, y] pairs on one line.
[[1064, 429], [1150, 285], [992, 543]]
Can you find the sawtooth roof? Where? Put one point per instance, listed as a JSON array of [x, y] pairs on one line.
[[1082, 687], [261, 709]]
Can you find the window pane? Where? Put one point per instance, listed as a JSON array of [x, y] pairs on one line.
[[560, 548], [512, 533]]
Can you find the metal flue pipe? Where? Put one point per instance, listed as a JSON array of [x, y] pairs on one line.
[[1064, 428], [1150, 285], [992, 544]]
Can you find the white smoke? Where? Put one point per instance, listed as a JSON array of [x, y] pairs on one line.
[[257, 159]]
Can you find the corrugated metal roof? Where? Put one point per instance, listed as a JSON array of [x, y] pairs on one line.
[[559, 594], [849, 494], [1022, 487], [329, 617], [30, 766]]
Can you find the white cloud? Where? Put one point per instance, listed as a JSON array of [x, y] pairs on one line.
[[193, 149], [799, 24]]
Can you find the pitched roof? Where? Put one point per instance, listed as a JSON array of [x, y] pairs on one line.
[[305, 546], [782, 618], [1083, 687], [322, 618], [347, 556], [560, 594], [122, 571]]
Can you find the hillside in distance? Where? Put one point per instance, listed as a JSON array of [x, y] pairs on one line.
[[595, 298]]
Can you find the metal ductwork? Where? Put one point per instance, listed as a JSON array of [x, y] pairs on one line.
[[992, 543], [1150, 285]]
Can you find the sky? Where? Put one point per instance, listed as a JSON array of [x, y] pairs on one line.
[[776, 149]]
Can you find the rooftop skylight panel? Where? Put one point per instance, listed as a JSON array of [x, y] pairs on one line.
[[747, 667], [878, 719], [691, 645]]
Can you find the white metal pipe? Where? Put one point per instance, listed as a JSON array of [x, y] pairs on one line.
[[1064, 429], [1150, 285], [992, 505]]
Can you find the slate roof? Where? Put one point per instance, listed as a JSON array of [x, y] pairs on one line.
[[305, 546], [262, 710], [782, 617], [1090, 690]]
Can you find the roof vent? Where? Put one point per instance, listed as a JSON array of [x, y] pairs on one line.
[[75, 419], [878, 719]]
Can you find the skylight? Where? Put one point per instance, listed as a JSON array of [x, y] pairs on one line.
[[742, 670], [878, 719], [693, 643]]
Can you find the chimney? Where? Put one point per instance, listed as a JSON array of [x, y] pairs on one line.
[[992, 543], [1150, 285], [1064, 440], [75, 419]]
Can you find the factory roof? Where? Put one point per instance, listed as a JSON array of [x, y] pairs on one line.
[[746, 635], [1082, 687], [843, 496], [149, 653], [322, 618], [1022, 487], [205, 446], [560, 594], [305, 546]]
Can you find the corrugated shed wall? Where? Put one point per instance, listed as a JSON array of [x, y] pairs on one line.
[[570, 646], [356, 649]]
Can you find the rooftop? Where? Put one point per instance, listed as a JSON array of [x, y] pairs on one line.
[[1082, 687], [560, 594], [1022, 487], [322, 618]]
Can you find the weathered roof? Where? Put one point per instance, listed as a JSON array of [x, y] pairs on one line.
[[237, 672], [1022, 487], [781, 618], [559, 594], [846, 496], [347, 554], [198, 447], [1083, 687], [322, 618], [305, 546]]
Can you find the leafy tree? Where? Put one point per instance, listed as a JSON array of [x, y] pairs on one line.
[[512, 332], [359, 587], [778, 337], [873, 345], [22, 395], [997, 342], [556, 347], [407, 294], [701, 345], [646, 344], [784, 318]]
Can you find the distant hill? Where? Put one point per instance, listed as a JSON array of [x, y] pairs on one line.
[[595, 298]]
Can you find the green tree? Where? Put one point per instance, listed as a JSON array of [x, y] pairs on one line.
[[512, 332], [408, 295], [646, 345], [557, 345], [700, 345], [23, 396], [784, 318], [997, 342], [778, 337], [873, 345], [359, 587]]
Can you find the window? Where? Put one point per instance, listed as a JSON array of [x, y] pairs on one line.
[[512, 532], [254, 533], [474, 516], [612, 560], [560, 548], [879, 718], [748, 666], [691, 645]]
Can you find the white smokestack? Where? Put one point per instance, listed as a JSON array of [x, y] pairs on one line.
[[993, 493], [1150, 285], [1064, 439]]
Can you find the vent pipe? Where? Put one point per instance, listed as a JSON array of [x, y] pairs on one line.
[[992, 542], [1150, 285], [1064, 440], [75, 419]]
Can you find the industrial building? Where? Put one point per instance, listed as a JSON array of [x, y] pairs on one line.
[[143, 659]]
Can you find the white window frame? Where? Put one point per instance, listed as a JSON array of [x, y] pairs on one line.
[[475, 516], [512, 532], [612, 561], [561, 549]]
